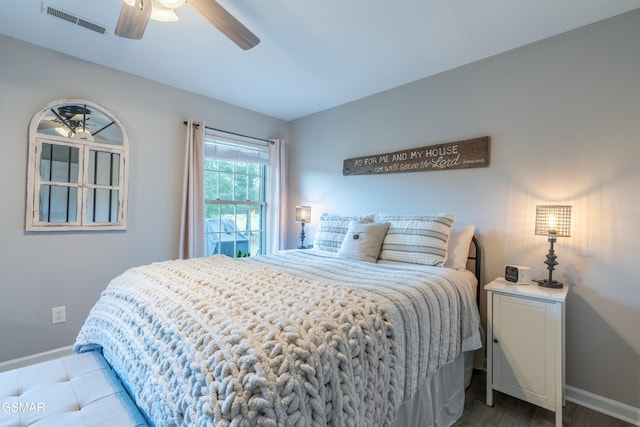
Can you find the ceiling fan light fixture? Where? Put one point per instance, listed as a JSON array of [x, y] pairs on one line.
[[63, 131], [161, 13], [133, 20], [172, 4]]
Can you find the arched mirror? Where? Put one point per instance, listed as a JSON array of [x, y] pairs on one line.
[[77, 171]]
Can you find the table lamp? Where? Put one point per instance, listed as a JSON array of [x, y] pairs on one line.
[[552, 221], [303, 216]]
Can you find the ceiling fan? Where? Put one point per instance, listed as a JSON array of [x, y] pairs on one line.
[[136, 13]]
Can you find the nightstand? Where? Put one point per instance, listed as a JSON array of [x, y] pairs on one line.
[[526, 343]]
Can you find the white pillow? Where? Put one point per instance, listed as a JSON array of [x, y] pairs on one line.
[[417, 239], [458, 250], [363, 241], [333, 228]]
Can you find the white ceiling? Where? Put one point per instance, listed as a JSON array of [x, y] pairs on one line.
[[313, 55]]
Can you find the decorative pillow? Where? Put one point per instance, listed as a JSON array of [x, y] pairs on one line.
[[332, 229], [417, 239], [363, 241], [458, 250]]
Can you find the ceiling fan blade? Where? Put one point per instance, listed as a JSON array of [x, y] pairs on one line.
[[225, 22], [133, 19]]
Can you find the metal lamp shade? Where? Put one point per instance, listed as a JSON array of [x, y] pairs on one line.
[[303, 214], [553, 218]]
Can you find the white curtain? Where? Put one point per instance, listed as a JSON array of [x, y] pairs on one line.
[[192, 222], [277, 197]]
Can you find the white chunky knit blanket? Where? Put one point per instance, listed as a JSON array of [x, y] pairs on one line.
[[222, 342]]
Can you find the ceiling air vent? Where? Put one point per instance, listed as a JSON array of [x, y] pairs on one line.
[[56, 12]]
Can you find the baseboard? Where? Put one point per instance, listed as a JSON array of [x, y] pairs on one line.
[[36, 358], [604, 405]]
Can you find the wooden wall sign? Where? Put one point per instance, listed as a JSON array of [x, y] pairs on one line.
[[470, 153]]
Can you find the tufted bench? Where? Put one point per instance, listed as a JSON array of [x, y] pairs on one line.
[[78, 390]]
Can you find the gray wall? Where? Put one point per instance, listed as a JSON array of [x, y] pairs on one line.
[[564, 118], [43, 270]]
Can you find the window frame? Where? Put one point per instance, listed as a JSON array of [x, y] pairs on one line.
[[83, 184], [210, 137]]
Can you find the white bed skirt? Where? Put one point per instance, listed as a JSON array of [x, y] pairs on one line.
[[439, 401]]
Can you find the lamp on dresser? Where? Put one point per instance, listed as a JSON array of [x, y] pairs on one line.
[[552, 221], [303, 216]]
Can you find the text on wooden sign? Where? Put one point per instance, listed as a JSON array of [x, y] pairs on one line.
[[470, 153]]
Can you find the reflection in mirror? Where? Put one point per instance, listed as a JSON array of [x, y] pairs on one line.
[[80, 121], [102, 205], [58, 203], [59, 163], [103, 167]]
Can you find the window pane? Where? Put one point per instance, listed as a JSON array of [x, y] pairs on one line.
[[213, 229], [211, 164], [241, 168], [226, 167], [225, 189], [228, 214], [103, 167], [59, 163], [255, 169], [58, 203], [255, 243], [115, 170], [210, 184], [256, 218], [240, 187], [255, 189], [242, 245], [242, 217], [102, 205], [211, 211]]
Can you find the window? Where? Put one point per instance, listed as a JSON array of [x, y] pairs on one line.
[[235, 171], [77, 169]]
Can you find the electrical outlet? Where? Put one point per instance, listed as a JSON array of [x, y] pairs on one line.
[[58, 314]]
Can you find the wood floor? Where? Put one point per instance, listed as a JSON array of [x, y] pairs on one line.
[[508, 411]]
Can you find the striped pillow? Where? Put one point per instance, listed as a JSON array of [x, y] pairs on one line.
[[333, 228], [417, 239]]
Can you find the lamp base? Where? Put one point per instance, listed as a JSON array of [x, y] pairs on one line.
[[550, 284], [302, 247]]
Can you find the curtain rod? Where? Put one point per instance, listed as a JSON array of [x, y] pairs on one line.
[[231, 133]]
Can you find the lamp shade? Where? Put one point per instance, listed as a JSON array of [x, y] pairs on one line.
[[303, 214], [553, 219]]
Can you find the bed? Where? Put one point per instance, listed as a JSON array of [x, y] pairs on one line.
[[372, 327], [329, 336]]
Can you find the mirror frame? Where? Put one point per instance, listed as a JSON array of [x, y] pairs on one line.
[[70, 120]]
